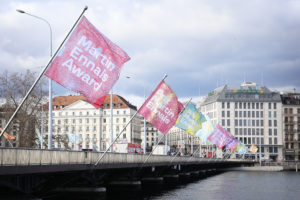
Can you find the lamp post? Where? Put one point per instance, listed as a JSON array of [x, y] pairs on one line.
[[50, 81], [144, 148]]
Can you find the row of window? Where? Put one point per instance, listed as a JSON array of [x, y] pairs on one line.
[[252, 131], [249, 105], [290, 111], [87, 120], [81, 113], [245, 122], [258, 141]]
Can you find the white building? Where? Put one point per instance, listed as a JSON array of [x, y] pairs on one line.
[[249, 112], [73, 114]]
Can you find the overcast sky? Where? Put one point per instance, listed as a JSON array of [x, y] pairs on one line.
[[199, 44]]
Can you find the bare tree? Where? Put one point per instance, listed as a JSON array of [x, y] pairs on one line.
[[13, 88]]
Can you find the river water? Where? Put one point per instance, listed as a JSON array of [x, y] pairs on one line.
[[239, 186], [225, 186]]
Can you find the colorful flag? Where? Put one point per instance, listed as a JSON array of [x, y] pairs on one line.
[[207, 128], [232, 143], [190, 119], [7, 136], [253, 149], [73, 138], [219, 137], [161, 108], [241, 148], [89, 63]]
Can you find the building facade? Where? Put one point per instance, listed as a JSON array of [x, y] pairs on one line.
[[251, 113], [291, 126], [73, 114]]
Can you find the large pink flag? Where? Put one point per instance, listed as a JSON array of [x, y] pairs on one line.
[[161, 108], [89, 63]]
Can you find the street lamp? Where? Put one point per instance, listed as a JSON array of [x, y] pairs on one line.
[[50, 81], [144, 148]]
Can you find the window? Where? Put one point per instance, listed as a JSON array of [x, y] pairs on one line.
[[223, 113], [249, 113], [223, 105], [244, 105], [257, 105], [228, 113], [240, 105], [249, 131], [95, 120], [261, 106], [235, 105], [58, 121], [261, 114], [124, 136], [261, 122], [228, 122], [117, 120], [87, 128], [248, 105], [275, 123], [245, 122], [257, 114], [228, 105], [104, 120], [223, 122], [270, 122], [275, 150], [235, 131], [87, 120], [240, 122], [275, 140], [253, 122], [240, 114], [262, 131], [87, 113], [80, 121], [236, 122], [270, 106], [275, 114], [235, 113], [94, 128], [253, 114], [124, 120], [270, 141], [270, 131], [275, 106], [257, 122], [245, 113], [262, 142]]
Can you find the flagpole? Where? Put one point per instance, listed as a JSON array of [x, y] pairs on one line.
[[165, 134], [100, 157], [41, 74]]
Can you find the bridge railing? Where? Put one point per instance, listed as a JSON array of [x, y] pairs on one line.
[[22, 156]]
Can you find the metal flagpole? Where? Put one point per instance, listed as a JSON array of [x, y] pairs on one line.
[[111, 119], [162, 137], [100, 157], [41, 74]]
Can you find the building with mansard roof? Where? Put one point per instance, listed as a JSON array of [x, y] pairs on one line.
[[251, 113], [73, 114]]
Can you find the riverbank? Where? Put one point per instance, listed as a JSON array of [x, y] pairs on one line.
[[258, 168]]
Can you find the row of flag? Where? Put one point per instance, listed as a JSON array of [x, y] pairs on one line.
[[90, 64]]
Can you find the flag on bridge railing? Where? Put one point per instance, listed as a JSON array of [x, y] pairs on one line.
[[88, 63], [190, 119], [253, 149], [219, 137], [161, 108], [241, 148], [207, 128], [232, 143], [7, 136], [73, 137]]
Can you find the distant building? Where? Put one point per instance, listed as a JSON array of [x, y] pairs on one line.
[[151, 135], [291, 125], [251, 113], [73, 114]]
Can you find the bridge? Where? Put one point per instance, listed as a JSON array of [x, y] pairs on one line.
[[37, 172]]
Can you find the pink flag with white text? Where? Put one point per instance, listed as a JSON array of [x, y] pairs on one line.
[[88, 63], [161, 108], [220, 137]]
